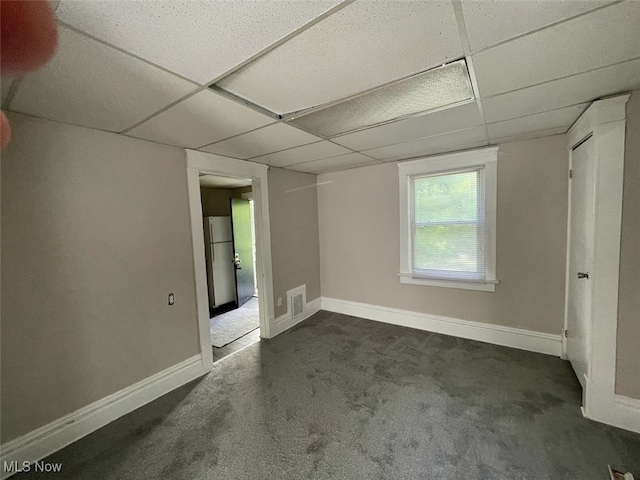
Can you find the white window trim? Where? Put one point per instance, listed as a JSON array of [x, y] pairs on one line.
[[485, 157]]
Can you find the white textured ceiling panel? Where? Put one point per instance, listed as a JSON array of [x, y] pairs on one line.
[[492, 22], [341, 162], [471, 137], [306, 153], [456, 118], [362, 46], [530, 136], [200, 120], [272, 138], [567, 91], [90, 84], [600, 38], [563, 117], [200, 40]]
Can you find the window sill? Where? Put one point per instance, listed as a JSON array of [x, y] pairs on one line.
[[483, 286]]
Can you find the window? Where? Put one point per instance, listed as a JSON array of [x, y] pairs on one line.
[[448, 220]]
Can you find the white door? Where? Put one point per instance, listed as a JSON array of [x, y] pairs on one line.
[[583, 166]]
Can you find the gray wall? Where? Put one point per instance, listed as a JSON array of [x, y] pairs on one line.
[[293, 212], [628, 351], [360, 253], [95, 234]]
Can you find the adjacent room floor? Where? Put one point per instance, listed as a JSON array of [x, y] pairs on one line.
[[235, 329], [249, 339], [344, 398]]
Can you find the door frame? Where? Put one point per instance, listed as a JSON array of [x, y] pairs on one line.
[[211, 164], [605, 121]]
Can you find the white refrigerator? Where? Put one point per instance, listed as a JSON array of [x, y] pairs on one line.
[[221, 277]]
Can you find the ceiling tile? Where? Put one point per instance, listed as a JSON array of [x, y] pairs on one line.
[[269, 139], [530, 136], [200, 40], [600, 38], [573, 90], [307, 153], [90, 84], [360, 47], [341, 162], [491, 22], [200, 120], [470, 137], [447, 120], [562, 117]]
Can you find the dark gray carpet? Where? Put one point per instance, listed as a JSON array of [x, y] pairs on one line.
[[231, 325], [344, 398]]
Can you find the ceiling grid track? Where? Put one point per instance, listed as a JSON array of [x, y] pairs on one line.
[[133, 55], [284, 39], [245, 102], [536, 94], [462, 29], [199, 87], [262, 154], [622, 62], [236, 135], [420, 138], [539, 29]]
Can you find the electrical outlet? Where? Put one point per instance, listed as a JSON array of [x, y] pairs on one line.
[[172, 299], [279, 301]]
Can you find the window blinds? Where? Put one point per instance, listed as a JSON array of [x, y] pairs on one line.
[[448, 225]]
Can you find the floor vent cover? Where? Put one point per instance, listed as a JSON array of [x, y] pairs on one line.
[[297, 300], [296, 305]]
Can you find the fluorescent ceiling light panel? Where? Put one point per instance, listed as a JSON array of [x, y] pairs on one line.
[[434, 89]]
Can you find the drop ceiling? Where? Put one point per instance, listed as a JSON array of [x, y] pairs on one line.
[[145, 68]]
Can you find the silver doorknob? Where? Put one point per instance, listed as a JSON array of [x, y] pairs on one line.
[[583, 275]]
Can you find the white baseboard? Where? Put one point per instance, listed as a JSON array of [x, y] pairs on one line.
[[285, 322], [626, 413], [617, 410], [50, 438], [484, 332]]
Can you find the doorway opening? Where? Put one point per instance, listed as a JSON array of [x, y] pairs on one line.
[[199, 164], [230, 255]]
